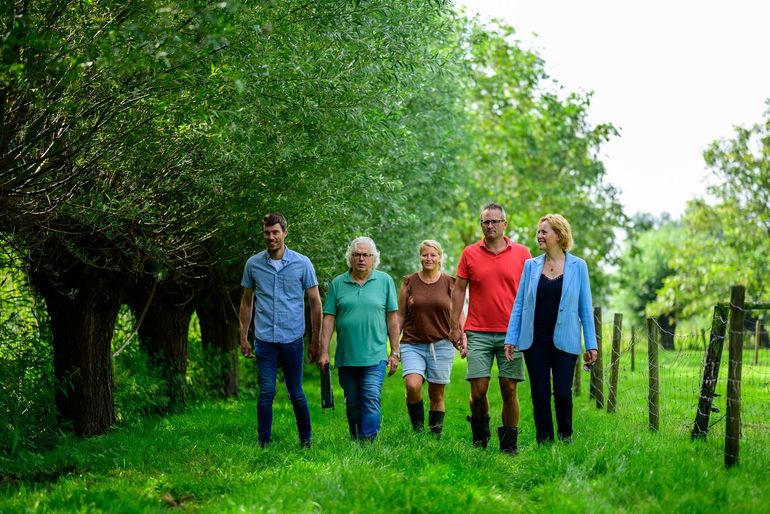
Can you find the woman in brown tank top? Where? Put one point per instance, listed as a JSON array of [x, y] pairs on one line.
[[426, 354]]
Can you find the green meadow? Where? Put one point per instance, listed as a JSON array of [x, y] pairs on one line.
[[207, 459]]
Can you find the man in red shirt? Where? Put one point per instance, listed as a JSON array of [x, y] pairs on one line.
[[492, 268]]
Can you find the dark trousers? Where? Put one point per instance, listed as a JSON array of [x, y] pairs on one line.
[[289, 356], [544, 360]]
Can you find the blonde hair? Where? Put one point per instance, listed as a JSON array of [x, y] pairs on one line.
[[432, 243], [562, 228]]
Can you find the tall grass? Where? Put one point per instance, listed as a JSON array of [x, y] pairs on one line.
[[207, 460]]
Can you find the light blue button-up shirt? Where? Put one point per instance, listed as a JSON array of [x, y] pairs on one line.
[[279, 295]]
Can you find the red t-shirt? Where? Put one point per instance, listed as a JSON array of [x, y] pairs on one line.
[[493, 281]]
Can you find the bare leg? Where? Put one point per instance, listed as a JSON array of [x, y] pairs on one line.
[[509, 392]]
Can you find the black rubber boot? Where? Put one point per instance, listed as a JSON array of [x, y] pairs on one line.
[[480, 431], [417, 415], [436, 422], [354, 417], [509, 437]]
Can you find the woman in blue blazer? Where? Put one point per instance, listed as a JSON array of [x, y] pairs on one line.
[[553, 301]]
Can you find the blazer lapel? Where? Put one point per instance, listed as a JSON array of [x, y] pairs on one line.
[[570, 272], [537, 270]]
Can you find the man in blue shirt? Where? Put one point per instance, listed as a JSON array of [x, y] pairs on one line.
[[278, 278]]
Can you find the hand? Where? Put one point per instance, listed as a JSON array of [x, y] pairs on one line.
[[392, 364], [461, 346], [313, 351], [510, 351], [323, 359], [246, 349], [590, 357], [456, 336]]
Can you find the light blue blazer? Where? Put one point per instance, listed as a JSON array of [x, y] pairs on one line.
[[575, 307]]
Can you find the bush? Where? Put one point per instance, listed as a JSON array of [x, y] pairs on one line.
[[138, 388], [27, 400]]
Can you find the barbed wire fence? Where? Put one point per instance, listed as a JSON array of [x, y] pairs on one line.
[[707, 384]]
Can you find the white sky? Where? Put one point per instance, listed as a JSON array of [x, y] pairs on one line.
[[672, 75]]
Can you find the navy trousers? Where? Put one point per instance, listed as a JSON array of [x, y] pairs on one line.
[[544, 361]]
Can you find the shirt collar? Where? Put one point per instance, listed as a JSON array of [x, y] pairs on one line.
[[349, 276], [508, 244], [288, 255]]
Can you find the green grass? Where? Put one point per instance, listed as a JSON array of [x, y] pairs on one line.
[[207, 460]]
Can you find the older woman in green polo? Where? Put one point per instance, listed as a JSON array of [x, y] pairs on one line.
[[362, 306]]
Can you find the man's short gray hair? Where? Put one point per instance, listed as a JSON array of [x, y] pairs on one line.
[[363, 240], [492, 206]]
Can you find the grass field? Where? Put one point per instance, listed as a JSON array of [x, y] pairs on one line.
[[207, 460]]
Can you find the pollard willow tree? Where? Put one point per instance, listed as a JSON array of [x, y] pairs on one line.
[[81, 83], [162, 164]]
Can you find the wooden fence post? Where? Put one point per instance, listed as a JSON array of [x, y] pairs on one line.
[[735, 356], [597, 372], [653, 395], [617, 332], [757, 332], [710, 372], [633, 350]]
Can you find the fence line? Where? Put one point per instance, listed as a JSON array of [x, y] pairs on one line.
[[684, 382]]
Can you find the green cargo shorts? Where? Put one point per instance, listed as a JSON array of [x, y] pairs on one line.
[[483, 347]]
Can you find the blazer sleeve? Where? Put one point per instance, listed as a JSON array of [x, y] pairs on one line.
[[514, 323], [586, 310]]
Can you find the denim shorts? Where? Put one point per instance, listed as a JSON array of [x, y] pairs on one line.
[[431, 360], [483, 348]]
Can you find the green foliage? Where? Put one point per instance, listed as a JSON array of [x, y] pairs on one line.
[[727, 242], [139, 390], [644, 266], [349, 127], [27, 412], [533, 151]]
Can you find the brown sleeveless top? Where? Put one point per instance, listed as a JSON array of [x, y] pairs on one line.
[[427, 309]]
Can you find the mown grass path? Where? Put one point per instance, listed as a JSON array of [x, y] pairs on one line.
[[207, 460]]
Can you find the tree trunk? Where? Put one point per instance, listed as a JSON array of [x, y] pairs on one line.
[[667, 330], [164, 334], [83, 304], [220, 336]]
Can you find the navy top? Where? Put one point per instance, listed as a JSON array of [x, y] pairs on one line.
[[547, 308]]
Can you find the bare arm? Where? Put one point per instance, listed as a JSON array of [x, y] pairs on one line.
[[327, 329], [393, 335], [402, 299], [247, 305], [456, 313], [314, 298]]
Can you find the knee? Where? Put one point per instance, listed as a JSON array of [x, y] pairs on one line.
[[266, 393], [509, 390], [478, 396], [297, 397], [564, 397], [413, 389], [436, 395]]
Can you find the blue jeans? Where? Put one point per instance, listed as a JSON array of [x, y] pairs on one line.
[[363, 391], [289, 356]]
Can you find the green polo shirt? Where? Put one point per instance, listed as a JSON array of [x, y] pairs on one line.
[[360, 310]]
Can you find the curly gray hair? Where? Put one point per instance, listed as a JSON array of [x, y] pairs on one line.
[[363, 240]]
